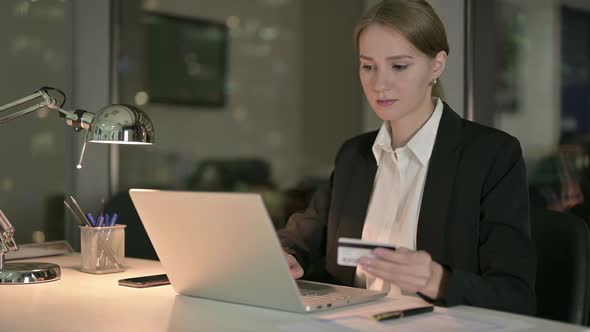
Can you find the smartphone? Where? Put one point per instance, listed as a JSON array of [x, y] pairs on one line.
[[145, 281]]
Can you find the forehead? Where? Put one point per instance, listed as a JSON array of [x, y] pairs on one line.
[[378, 41]]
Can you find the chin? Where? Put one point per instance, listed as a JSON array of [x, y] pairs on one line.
[[389, 114]]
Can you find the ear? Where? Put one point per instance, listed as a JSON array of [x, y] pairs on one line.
[[439, 63]]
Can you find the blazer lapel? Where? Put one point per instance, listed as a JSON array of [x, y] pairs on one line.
[[357, 201], [438, 187], [435, 199], [354, 210]]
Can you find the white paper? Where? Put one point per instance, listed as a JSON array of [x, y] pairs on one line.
[[441, 320], [436, 321], [52, 248], [315, 326]]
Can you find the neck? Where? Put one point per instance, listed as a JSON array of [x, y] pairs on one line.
[[402, 130]]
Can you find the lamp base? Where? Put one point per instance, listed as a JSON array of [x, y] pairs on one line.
[[29, 273]]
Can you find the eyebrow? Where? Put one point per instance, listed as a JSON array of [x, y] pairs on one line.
[[396, 57]]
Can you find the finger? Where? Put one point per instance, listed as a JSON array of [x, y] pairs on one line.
[[404, 282], [296, 272], [294, 266], [412, 283], [395, 269], [386, 275], [403, 250], [406, 257], [291, 259], [379, 264], [399, 256], [381, 268]]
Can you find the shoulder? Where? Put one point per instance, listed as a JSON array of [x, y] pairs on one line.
[[485, 150], [473, 136], [361, 141], [478, 135], [357, 146]]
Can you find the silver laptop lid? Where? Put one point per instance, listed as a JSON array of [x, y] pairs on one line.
[[219, 246]]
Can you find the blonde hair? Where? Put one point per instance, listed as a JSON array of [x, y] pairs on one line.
[[416, 20]]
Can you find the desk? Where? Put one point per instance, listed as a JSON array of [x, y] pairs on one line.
[[87, 302]]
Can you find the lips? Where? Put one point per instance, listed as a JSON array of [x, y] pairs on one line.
[[386, 102]]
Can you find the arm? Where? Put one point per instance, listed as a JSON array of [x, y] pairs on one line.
[[304, 235], [507, 261], [505, 252]]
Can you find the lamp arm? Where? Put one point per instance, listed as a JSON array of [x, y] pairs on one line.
[[21, 101], [6, 241], [78, 119]]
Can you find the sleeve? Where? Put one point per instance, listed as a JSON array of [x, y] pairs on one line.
[[304, 236], [507, 260]]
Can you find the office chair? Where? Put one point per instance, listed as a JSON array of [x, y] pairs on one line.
[[563, 266]]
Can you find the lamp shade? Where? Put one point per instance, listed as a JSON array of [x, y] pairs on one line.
[[121, 124]]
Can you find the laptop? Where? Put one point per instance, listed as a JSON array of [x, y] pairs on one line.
[[223, 246]]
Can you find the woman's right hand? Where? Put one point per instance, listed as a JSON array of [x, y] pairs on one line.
[[294, 266]]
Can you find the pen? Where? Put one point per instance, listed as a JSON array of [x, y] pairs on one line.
[[87, 222], [100, 221], [78, 220], [91, 218], [84, 221], [101, 212], [401, 313], [114, 219]]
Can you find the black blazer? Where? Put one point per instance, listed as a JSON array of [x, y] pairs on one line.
[[474, 217]]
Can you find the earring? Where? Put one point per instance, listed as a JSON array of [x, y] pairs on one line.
[[433, 82]]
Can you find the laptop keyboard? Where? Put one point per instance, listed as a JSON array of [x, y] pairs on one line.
[[327, 298], [322, 296], [317, 296]]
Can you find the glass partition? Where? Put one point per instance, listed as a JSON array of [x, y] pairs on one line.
[[541, 94], [37, 51], [287, 100]]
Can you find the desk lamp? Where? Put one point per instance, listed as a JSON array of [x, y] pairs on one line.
[[114, 124]]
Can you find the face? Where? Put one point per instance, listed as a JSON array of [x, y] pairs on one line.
[[395, 75]]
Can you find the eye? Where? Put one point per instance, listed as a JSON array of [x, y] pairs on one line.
[[399, 67], [367, 67]]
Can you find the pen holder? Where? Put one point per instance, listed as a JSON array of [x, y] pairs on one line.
[[103, 249]]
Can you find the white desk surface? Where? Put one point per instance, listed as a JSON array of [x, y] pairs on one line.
[[87, 302]]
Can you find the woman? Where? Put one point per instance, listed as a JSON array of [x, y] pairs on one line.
[[449, 193]]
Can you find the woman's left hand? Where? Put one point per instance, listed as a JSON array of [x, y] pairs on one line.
[[412, 271]]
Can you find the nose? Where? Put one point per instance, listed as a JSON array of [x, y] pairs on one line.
[[381, 81]]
